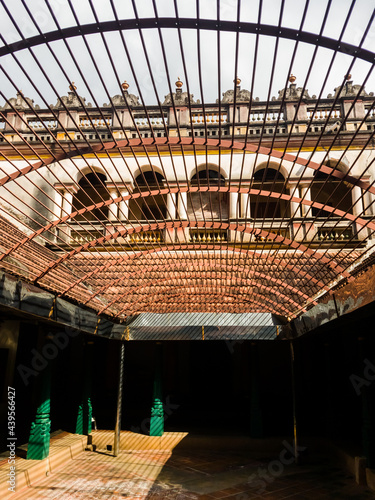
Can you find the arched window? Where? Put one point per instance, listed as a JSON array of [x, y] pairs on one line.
[[264, 207], [92, 190], [208, 205], [152, 207], [330, 191]]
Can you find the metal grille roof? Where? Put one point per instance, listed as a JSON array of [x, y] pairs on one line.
[[155, 231]]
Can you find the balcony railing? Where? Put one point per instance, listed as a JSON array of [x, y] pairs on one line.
[[208, 235], [146, 237], [311, 232]]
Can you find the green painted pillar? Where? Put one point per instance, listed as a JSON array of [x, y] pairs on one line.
[[256, 421], [84, 417], [38, 447], [157, 409]]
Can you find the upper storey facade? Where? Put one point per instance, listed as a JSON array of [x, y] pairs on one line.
[[292, 113]]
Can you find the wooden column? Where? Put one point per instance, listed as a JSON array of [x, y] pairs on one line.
[[116, 446]]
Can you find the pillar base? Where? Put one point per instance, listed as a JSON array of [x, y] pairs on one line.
[[157, 419], [38, 447]]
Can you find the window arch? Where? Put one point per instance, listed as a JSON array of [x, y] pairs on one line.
[[92, 189], [152, 207], [264, 207], [330, 191], [208, 205]]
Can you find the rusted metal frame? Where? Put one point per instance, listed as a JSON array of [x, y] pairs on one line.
[[63, 71], [149, 65], [184, 65], [267, 104], [26, 160], [189, 108], [166, 66], [235, 77], [55, 116], [351, 168], [145, 110], [234, 110], [88, 86], [213, 307], [16, 132], [135, 244], [208, 185], [89, 50], [171, 224], [200, 71], [254, 70], [268, 101], [187, 275], [188, 23], [218, 32], [195, 270], [301, 96], [136, 81], [116, 75], [66, 109], [210, 295], [223, 144], [35, 135], [218, 45], [337, 96], [199, 63], [130, 292], [154, 87], [351, 141], [203, 247], [173, 105], [284, 94], [337, 134], [106, 90], [300, 100], [204, 116], [213, 298], [23, 189], [214, 266]]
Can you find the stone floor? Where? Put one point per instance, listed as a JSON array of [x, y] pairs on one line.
[[192, 475]]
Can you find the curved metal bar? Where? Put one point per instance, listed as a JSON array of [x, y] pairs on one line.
[[191, 23], [210, 267], [183, 247], [190, 141], [188, 277], [278, 306], [200, 224], [193, 189]]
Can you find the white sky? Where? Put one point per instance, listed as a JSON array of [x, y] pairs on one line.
[[292, 14]]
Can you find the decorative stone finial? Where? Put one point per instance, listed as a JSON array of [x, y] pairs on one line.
[[125, 86], [292, 78], [179, 83], [348, 77], [237, 81], [72, 87]]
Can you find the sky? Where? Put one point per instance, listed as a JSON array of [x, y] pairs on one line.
[[96, 84]]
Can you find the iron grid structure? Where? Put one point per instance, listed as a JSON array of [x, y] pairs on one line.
[[162, 202]]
